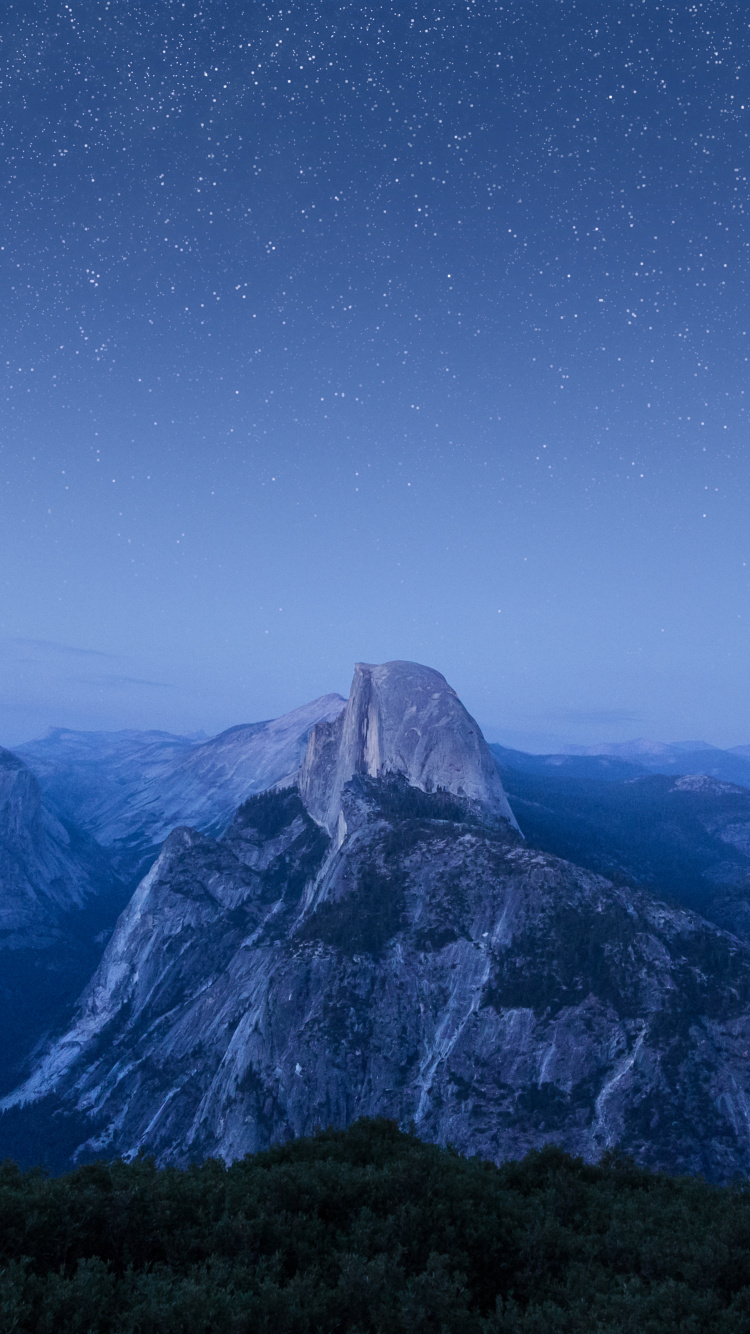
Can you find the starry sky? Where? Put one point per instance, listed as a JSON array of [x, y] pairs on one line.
[[337, 331]]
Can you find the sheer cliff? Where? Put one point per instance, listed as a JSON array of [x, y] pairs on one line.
[[46, 871], [400, 718], [381, 940], [57, 895]]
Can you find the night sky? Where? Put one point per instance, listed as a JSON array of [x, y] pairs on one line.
[[344, 331]]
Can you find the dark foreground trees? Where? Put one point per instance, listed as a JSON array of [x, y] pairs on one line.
[[370, 1230]]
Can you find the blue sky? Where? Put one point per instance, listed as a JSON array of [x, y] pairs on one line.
[[362, 331]]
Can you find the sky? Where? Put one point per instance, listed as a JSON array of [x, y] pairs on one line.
[[356, 331]]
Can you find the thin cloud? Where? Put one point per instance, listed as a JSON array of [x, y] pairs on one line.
[[52, 646], [115, 681]]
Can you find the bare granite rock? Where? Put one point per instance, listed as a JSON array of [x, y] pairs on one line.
[[59, 901], [41, 876], [400, 718], [429, 969], [130, 789], [402, 953]]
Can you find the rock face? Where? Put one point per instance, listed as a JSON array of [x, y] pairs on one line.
[[61, 891], [400, 718], [428, 968], [380, 941], [130, 789], [57, 895], [401, 953], [42, 875]]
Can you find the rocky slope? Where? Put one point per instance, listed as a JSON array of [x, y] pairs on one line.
[[46, 871], [57, 893], [403, 953], [429, 969], [686, 838], [129, 789]]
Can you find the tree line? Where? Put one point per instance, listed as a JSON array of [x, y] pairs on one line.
[[371, 1231]]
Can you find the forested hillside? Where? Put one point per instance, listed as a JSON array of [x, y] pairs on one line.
[[370, 1230]]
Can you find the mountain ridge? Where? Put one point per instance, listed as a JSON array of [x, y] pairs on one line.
[[620, 761], [403, 953], [129, 790], [238, 1005]]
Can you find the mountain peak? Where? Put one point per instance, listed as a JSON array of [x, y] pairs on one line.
[[400, 718]]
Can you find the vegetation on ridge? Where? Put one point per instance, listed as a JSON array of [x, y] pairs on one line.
[[369, 1230]]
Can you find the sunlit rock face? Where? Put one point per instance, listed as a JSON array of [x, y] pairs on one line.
[[400, 718]]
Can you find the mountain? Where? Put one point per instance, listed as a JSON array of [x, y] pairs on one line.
[[41, 878], [679, 757], [607, 768], [642, 749], [400, 718], [57, 893], [686, 838], [80, 830], [380, 940], [726, 765], [130, 789]]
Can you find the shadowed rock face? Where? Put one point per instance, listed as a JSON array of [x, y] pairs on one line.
[[41, 876], [400, 718], [429, 968], [686, 839], [57, 896]]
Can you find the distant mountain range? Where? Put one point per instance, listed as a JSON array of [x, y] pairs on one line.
[[128, 790], [370, 933], [631, 758], [686, 839]]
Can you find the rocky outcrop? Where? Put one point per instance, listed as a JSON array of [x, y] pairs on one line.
[[400, 718], [130, 789], [430, 968], [381, 941], [59, 902], [42, 876]]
